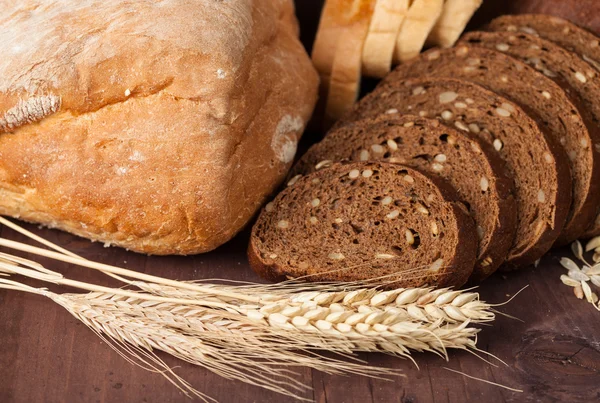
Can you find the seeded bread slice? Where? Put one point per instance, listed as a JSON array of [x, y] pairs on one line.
[[555, 29], [542, 177], [555, 62], [565, 116], [470, 166], [362, 221]]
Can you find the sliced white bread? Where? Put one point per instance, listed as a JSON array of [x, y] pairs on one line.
[[344, 84], [456, 14], [328, 34], [381, 39], [420, 20]]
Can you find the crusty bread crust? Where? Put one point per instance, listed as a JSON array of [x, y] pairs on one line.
[[159, 127], [381, 39]]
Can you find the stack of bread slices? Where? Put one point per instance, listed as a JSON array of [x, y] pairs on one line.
[[366, 37], [463, 160]]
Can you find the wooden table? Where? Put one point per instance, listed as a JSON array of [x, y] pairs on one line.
[[552, 352]]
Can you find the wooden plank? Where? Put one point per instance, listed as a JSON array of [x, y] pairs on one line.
[[553, 354]]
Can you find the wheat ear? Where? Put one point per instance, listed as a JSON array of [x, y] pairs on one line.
[[250, 332]]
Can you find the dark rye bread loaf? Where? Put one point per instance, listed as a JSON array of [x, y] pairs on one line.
[[555, 29], [362, 221], [563, 115], [537, 164], [555, 62], [470, 166]]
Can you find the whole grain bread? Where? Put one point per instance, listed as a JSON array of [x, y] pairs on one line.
[[585, 13], [538, 165], [555, 62], [555, 29], [160, 127], [563, 115], [365, 220], [470, 166]]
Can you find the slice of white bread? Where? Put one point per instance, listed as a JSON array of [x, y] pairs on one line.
[[344, 84], [326, 41], [451, 24], [381, 39], [420, 20]]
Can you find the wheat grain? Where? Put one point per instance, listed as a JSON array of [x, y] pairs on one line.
[[235, 347], [578, 277], [394, 322], [250, 332]]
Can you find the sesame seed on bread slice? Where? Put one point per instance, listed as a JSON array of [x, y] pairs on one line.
[[555, 29], [537, 164], [365, 220], [557, 63], [470, 166], [562, 113]]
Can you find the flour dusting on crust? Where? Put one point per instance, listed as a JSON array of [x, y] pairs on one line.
[[285, 140], [30, 110]]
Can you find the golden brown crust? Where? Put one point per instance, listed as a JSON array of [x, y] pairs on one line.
[[168, 135]]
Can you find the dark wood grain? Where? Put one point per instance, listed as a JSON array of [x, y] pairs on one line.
[[553, 354]]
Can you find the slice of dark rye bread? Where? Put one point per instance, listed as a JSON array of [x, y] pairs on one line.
[[537, 164], [365, 220], [555, 29], [473, 168], [555, 62], [563, 115]]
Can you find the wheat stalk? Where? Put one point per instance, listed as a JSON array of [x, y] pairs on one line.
[[238, 347], [235, 339], [251, 332]]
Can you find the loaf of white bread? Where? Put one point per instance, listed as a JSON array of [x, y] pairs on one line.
[[158, 126], [366, 37]]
